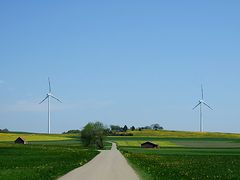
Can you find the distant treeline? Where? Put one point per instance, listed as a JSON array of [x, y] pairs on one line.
[[4, 130], [116, 130], [74, 131]]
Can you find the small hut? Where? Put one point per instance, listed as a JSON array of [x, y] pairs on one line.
[[149, 145], [20, 140]]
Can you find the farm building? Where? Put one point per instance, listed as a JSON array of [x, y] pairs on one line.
[[149, 145], [20, 140]]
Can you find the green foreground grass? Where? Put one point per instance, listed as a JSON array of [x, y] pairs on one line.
[[152, 166], [41, 161], [45, 157], [183, 155]]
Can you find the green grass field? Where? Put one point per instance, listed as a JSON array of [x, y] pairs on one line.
[[45, 157], [179, 139], [182, 155], [135, 141], [153, 166]]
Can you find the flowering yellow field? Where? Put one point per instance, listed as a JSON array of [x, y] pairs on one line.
[[183, 134], [34, 137]]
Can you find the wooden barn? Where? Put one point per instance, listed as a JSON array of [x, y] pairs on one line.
[[20, 140], [149, 145]]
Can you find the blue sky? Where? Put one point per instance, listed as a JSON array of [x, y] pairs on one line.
[[125, 62]]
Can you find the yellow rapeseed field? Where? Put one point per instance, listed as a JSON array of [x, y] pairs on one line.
[[34, 137], [183, 134]]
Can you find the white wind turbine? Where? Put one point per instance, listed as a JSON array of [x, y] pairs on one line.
[[201, 103], [49, 96]]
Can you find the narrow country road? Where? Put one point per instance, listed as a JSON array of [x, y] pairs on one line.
[[108, 165]]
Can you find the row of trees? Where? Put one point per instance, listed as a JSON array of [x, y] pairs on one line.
[[74, 131], [93, 133], [4, 130], [153, 126], [116, 128]]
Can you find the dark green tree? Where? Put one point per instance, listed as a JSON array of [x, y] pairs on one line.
[[93, 135], [132, 128], [115, 128], [156, 127], [125, 128]]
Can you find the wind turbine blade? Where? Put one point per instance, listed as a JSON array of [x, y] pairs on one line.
[[43, 100], [197, 105], [55, 98], [202, 91], [207, 105], [49, 85]]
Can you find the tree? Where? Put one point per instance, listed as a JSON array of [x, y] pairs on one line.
[[125, 128], [132, 128], [115, 128], [93, 134], [107, 132], [156, 127]]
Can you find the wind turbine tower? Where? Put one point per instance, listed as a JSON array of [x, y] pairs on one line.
[[48, 97], [201, 103]]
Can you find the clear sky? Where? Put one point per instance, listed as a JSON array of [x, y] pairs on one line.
[[133, 62]]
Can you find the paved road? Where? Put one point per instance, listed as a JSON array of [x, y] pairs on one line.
[[108, 165]]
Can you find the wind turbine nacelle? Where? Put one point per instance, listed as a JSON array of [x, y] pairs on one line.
[[201, 101]]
